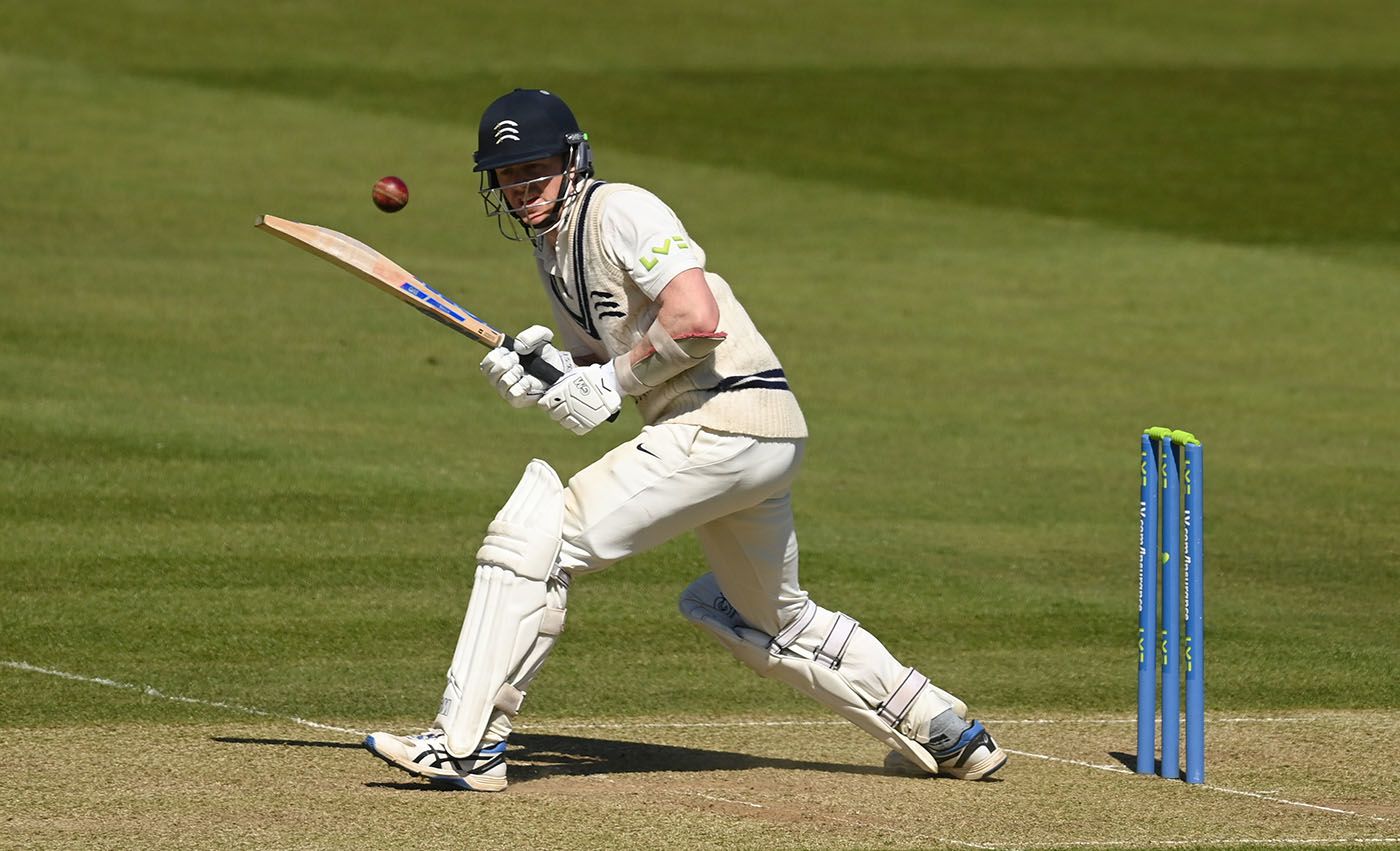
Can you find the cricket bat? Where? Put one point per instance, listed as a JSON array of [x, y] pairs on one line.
[[359, 259]]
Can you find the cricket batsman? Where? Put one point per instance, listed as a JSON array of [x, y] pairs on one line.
[[638, 314]]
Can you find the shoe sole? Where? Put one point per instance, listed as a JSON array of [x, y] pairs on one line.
[[898, 763], [982, 770], [471, 783]]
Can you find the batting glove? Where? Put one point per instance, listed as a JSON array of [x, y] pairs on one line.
[[503, 369], [584, 398]]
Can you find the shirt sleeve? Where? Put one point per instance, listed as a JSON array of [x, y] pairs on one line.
[[643, 236]]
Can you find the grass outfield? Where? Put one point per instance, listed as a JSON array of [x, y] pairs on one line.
[[990, 246]]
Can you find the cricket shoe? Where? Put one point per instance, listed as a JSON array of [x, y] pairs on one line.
[[974, 756], [426, 755]]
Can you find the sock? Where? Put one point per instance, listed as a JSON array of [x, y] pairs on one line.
[[944, 730]]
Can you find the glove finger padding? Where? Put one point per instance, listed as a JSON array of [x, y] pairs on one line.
[[533, 338], [499, 363], [502, 368], [525, 392]]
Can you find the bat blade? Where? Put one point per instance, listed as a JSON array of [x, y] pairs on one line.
[[369, 265]]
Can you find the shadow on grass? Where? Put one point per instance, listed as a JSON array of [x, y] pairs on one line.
[[1129, 761], [285, 743], [552, 755], [535, 756]]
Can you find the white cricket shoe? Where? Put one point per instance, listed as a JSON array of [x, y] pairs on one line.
[[974, 756], [426, 755]]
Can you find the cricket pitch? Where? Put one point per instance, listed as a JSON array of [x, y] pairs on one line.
[[1298, 781]]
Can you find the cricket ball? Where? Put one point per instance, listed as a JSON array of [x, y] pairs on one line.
[[390, 194]]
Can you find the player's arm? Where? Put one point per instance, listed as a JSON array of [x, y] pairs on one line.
[[646, 240], [683, 334]]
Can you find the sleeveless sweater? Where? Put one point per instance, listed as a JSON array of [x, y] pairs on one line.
[[739, 388]]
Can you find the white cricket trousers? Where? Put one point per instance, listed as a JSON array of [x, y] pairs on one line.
[[732, 489], [735, 492]]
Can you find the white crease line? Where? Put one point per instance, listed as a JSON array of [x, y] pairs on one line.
[[664, 725], [150, 691], [725, 800], [1210, 719], [1164, 843], [1263, 797], [1118, 769]]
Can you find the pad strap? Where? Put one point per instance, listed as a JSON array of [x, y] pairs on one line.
[[784, 639], [508, 699], [833, 647], [553, 621], [893, 709]]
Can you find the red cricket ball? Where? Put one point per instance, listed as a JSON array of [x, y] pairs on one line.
[[390, 194]]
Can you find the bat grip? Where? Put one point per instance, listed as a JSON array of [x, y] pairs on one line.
[[534, 364], [539, 367]]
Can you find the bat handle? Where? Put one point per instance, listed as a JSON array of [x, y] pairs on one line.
[[539, 367], [534, 364]]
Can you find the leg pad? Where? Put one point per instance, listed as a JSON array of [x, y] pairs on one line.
[[515, 614], [817, 655]]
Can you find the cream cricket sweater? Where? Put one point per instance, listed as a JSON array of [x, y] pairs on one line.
[[600, 310]]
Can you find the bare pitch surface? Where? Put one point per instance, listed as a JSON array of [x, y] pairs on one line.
[[698, 783]]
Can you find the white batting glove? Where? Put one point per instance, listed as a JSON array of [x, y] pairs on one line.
[[503, 369], [585, 397]]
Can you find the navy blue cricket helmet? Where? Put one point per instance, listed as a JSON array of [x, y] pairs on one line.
[[529, 124]]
